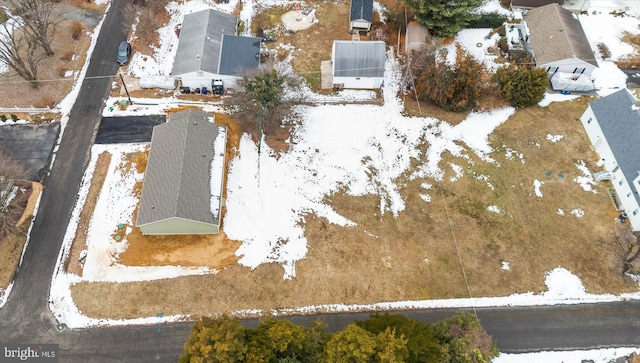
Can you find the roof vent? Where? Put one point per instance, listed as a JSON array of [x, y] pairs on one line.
[[153, 206], [203, 155], [195, 122]]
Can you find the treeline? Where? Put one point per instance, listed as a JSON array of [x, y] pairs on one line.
[[381, 338]]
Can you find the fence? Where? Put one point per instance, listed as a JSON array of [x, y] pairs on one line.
[[29, 109]]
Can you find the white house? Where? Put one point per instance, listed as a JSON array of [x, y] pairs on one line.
[[613, 126], [560, 46], [360, 16], [358, 64], [208, 48]]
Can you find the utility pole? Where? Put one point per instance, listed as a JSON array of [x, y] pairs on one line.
[[125, 89]]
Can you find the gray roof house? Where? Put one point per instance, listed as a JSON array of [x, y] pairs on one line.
[[208, 48], [561, 47], [358, 64], [613, 126], [360, 16], [182, 186]]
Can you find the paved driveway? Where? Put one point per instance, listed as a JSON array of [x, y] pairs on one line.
[[31, 145], [120, 130]]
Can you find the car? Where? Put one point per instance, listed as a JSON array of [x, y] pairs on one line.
[[124, 52]]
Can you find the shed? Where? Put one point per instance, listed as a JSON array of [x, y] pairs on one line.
[[560, 46], [416, 36], [613, 126], [360, 16], [358, 64], [183, 183]]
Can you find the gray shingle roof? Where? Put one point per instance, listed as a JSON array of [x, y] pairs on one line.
[[359, 59], [238, 54], [361, 9], [200, 41], [177, 180], [556, 34], [533, 3], [620, 124]]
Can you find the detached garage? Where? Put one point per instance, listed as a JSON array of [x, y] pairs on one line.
[[182, 190], [357, 64]]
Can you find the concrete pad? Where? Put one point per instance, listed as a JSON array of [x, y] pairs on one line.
[[326, 75], [295, 20]]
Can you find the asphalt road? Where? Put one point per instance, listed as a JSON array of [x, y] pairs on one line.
[[26, 317], [125, 129]]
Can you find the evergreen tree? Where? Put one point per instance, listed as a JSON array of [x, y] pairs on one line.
[[522, 87], [215, 340], [391, 348], [351, 345], [453, 87], [422, 345], [444, 18]]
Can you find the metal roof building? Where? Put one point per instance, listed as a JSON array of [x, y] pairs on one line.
[[358, 64]]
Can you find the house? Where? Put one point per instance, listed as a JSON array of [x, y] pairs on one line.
[[613, 126], [360, 16], [560, 46], [208, 48], [529, 4], [358, 64], [182, 186]]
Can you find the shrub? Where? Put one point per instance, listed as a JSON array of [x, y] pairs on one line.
[[3, 118], [76, 29], [605, 53], [520, 86], [14, 117], [503, 44]]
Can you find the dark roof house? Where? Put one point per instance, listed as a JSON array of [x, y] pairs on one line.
[[183, 182]]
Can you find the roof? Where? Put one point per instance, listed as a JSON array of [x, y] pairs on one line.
[[359, 59], [200, 41], [177, 180], [361, 9], [239, 53], [533, 3], [619, 121], [556, 34]]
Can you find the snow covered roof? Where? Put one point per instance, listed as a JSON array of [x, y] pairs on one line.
[[361, 10], [619, 120], [238, 53], [556, 34], [200, 42], [177, 180], [358, 59]]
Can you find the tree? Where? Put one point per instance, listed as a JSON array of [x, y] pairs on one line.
[[20, 52], [283, 338], [390, 347], [39, 21], [444, 18], [316, 338], [351, 345], [465, 340], [453, 87], [215, 340], [422, 345], [11, 209], [521, 86], [625, 247]]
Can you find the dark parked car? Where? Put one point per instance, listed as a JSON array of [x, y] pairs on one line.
[[124, 52]]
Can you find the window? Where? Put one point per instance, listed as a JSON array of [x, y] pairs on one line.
[[616, 168], [579, 70], [635, 212], [620, 182], [552, 69], [589, 120]]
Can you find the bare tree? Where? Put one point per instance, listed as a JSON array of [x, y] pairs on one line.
[[20, 52], [625, 247], [11, 198], [39, 21]]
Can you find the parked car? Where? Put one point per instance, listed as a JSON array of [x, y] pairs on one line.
[[124, 52]]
